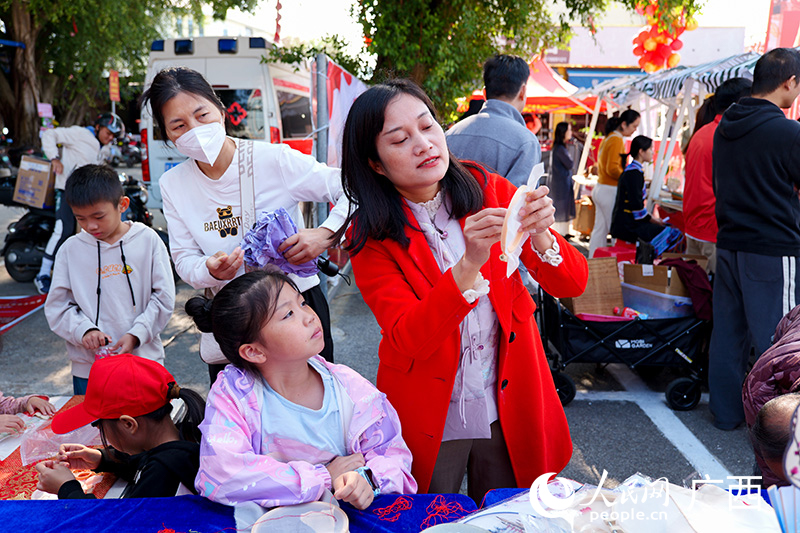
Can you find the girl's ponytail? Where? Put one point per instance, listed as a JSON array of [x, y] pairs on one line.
[[189, 426], [199, 308], [239, 311]]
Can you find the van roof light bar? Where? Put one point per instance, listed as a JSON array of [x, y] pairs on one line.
[[258, 42], [184, 47], [227, 46]]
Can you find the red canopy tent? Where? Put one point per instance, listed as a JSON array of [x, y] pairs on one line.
[[548, 92]]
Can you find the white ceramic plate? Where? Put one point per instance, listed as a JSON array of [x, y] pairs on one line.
[[312, 517]]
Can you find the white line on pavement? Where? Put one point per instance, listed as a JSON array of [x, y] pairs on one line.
[[654, 406]]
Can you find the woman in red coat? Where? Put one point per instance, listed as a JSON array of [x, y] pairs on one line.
[[460, 359]]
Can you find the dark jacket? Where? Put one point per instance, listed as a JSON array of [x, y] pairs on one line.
[[775, 373], [156, 473], [629, 220], [756, 172]]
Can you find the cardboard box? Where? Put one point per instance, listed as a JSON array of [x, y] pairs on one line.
[[584, 216], [702, 260], [656, 278], [35, 183], [603, 290]]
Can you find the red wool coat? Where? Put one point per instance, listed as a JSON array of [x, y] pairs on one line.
[[419, 310]]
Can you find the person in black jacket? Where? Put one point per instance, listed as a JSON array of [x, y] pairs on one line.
[[756, 175], [630, 220], [560, 180], [128, 399]]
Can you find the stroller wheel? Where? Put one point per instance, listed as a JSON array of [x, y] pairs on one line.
[[565, 387], [683, 394]]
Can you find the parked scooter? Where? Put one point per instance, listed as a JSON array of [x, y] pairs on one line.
[[27, 237], [131, 154]]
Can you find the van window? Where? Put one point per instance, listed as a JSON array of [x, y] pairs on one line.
[[244, 112], [295, 115]]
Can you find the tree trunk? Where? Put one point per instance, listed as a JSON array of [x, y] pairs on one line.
[[25, 76]]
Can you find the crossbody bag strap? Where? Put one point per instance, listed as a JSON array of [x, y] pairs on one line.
[[247, 184]]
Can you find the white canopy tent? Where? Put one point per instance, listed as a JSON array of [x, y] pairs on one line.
[[674, 95]]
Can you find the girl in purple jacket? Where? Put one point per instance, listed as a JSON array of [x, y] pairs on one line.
[[10, 406], [283, 425]]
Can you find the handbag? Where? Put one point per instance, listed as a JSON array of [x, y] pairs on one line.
[[210, 351]]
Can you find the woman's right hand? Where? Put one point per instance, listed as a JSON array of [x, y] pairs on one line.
[[345, 463], [481, 231], [79, 457], [225, 266]]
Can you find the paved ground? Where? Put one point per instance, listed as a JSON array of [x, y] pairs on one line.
[[619, 421]]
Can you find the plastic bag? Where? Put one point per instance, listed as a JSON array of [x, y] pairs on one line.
[[44, 443]]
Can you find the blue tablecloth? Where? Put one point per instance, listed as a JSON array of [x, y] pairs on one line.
[[192, 513]]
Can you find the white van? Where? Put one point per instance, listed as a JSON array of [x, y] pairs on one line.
[[269, 102]]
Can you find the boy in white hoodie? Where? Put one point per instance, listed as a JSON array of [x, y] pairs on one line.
[[112, 289]]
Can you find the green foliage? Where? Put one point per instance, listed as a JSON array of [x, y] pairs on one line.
[[331, 45], [442, 44], [79, 40]]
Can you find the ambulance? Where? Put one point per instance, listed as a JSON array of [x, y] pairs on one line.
[[269, 102]]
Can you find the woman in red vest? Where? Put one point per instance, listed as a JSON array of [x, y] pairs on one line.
[[460, 359]]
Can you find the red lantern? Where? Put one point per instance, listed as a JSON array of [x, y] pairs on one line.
[[674, 59], [676, 45], [639, 50]]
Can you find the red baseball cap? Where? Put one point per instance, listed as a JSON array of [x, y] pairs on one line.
[[118, 385]]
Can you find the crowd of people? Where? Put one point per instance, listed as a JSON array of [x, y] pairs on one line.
[[463, 385]]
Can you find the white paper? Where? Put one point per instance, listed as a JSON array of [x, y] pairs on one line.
[[514, 237]]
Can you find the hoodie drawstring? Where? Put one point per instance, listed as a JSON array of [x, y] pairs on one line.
[[127, 274], [100, 274]]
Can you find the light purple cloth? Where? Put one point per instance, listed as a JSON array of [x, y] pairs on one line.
[[261, 243]]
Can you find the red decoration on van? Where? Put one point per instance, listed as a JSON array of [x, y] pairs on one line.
[[236, 113]]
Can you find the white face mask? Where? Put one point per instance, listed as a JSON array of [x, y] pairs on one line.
[[203, 143]]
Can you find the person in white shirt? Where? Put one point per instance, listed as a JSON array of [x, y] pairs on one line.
[[202, 202], [79, 146]]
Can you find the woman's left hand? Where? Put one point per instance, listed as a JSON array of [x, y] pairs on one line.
[[306, 245], [538, 213]]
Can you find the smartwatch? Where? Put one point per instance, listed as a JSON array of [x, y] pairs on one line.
[[366, 473]]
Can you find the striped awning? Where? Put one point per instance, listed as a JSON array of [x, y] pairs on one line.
[[669, 83], [714, 79]]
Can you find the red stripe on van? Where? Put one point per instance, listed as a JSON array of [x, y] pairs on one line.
[[289, 85]]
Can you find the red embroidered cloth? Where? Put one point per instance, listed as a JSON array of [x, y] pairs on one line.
[[17, 482]]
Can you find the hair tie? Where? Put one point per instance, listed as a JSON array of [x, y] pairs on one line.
[[174, 391]]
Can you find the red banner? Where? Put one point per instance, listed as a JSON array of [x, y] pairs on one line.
[[113, 85], [784, 24]]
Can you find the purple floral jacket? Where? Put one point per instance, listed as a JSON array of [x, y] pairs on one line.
[[11, 406], [234, 463]]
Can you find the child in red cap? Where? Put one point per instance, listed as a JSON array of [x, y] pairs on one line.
[[128, 400]]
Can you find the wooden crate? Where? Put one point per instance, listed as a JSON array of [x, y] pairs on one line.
[[603, 291]]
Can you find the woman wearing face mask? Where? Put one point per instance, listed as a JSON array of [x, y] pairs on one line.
[[202, 202]]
